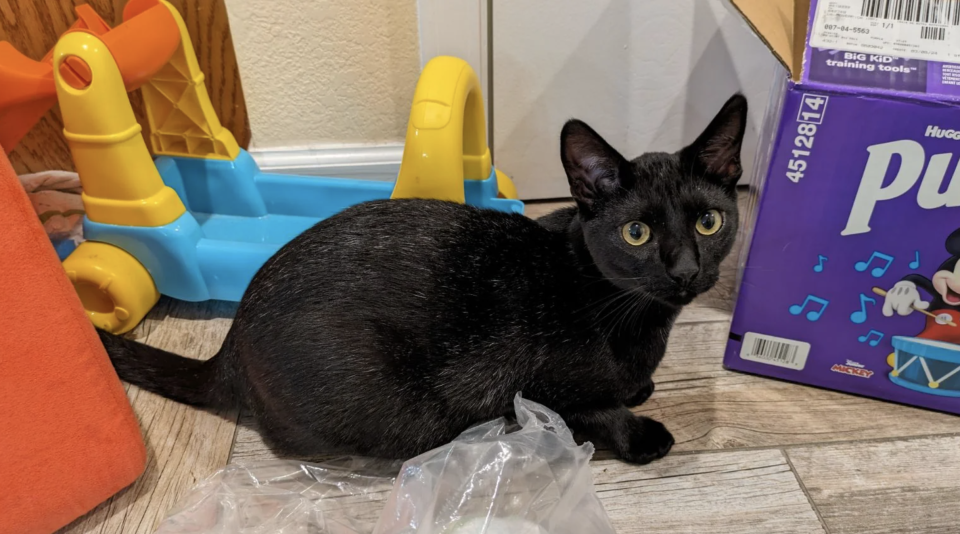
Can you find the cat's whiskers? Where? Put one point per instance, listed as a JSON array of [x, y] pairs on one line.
[[602, 301], [616, 324], [627, 309], [606, 303], [629, 313], [607, 330]]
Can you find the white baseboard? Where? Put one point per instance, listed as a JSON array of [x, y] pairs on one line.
[[370, 162]]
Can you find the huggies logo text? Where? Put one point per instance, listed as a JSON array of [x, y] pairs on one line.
[[912, 159], [936, 131]]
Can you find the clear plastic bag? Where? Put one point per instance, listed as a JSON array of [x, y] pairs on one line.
[[535, 480], [285, 497], [532, 481]]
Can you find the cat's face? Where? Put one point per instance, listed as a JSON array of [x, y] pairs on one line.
[[661, 223]]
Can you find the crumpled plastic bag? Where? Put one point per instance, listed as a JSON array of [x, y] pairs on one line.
[[535, 480], [532, 481], [344, 496]]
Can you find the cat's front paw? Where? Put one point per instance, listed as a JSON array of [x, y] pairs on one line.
[[641, 396], [649, 440]]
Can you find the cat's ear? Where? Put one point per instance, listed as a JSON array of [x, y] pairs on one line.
[[716, 153], [594, 168]]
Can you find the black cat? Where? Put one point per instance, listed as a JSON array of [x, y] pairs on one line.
[[393, 326]]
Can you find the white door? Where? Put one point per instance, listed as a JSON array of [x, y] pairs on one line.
[[646, 74]]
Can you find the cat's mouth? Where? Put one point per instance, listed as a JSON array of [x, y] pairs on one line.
[[682, 297], [658, 288], [674, 297]]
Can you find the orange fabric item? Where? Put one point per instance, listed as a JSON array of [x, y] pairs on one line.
[[68, 437]]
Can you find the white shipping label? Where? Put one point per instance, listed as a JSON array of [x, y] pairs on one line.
[[913, 29]]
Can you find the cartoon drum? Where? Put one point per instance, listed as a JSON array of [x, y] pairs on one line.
[[926, 365]]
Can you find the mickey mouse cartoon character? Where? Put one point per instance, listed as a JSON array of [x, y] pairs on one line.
[[904, 297]]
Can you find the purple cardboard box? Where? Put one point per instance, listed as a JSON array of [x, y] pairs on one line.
[[850, 278]]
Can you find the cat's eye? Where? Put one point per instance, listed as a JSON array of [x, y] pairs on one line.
[[635, 233], [709, 222]]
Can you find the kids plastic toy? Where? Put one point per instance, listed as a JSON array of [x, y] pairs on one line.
[[197, 222]]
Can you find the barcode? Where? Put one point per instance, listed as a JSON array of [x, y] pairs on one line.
[[775, 350], [933, 33], [945, 12], [772, 350]]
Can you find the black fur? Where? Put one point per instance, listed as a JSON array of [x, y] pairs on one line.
[[391, 327]]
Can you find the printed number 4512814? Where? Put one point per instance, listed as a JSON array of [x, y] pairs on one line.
[[811, 114]]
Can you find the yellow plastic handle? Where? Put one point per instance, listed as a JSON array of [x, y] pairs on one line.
[[121, 184], [447, 134]]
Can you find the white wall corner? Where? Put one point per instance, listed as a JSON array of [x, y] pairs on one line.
[[369, 162]]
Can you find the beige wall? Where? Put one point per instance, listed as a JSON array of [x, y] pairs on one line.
[[321, 72]]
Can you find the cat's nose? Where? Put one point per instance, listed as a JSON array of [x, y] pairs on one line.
[[683, 272]]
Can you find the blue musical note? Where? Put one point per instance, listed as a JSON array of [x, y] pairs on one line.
[[870, 334], [877, 272], [860, 316], [818, 268], [915, 264], [812, 315]]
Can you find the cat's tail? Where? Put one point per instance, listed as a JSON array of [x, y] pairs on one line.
[[195, 382]]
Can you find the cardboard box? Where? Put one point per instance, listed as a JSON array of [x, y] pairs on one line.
[[857, 208]]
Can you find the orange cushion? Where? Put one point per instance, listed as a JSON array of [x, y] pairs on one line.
[[68, 437]]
